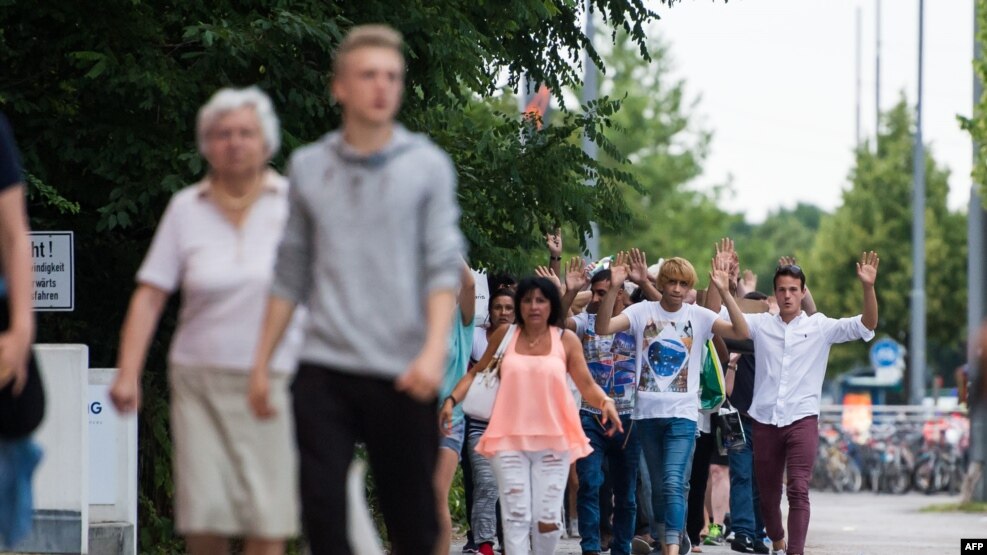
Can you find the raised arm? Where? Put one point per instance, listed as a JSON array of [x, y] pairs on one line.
[[467, 294], [638, 274], [736, 328], [554, 243], [747, 284], [551, 275], [575, 280], [726, 257], [605, 324], [867, 273]]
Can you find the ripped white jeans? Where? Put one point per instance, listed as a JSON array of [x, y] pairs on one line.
[[531, 485]]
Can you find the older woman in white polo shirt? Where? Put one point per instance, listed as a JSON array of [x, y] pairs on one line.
[[235, 475]]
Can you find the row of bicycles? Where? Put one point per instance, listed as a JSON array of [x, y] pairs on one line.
[[894, 455]]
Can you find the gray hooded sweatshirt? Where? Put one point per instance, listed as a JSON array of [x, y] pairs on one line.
[[368, 238]]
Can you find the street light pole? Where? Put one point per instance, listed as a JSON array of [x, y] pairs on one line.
[[590, 92], [917, 332]]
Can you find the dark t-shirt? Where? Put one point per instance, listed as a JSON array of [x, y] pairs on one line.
[[10, 160], [743, 383]]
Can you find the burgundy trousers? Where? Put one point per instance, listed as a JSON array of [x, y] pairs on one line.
[[789, 448]]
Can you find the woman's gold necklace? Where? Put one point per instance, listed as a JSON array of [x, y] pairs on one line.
[[535, 342]]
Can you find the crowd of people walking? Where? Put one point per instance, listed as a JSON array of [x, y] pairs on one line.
[[335, 307]]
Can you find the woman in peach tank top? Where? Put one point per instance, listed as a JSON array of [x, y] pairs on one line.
[[534, 432]]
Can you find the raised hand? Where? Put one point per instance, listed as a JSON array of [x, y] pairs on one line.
[[787, 261], [575, 275], [750, 280], [638, 269], [619, 269], [719, 274], [549, 274], [725, 251], [554, 242], [867, 268]]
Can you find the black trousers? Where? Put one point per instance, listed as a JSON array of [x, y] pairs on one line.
[[335, 410], [695, 519]]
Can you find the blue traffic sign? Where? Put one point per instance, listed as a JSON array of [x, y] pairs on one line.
[[887, 353]]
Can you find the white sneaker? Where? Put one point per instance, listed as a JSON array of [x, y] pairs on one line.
[[573, 531], [778, 552]]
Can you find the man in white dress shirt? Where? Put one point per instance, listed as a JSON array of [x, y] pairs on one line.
[[791, 350]]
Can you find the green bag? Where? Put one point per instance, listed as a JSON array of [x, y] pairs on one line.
[[712, 391]]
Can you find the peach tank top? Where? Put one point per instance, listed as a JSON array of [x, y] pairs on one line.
[[534, 409]]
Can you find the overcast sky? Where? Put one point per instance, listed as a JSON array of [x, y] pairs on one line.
[[777, 85]]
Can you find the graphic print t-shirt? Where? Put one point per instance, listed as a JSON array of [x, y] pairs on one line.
[[669, 358], [611, 360]]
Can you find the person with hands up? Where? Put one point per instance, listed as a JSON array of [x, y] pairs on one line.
[[453, 433], [791, 350], [534, 431], [669, 337], [611, 363]]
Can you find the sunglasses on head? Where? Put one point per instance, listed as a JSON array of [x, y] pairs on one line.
[[789, 267]]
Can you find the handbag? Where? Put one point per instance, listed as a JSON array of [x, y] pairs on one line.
[[480, 397], [730, 430]]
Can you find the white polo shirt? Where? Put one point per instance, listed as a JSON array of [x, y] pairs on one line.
[[224, 273], [790, 362]]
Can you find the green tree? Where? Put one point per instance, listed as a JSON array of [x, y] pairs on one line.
[[103, 103], [655, 129], [876, 214], [785, 232]]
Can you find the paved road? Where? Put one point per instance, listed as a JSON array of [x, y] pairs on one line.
[[868, 524]]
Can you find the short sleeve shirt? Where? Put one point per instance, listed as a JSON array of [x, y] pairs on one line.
[[612, 363], [460, 345], [669, 358], [225, 274], [479, 344]]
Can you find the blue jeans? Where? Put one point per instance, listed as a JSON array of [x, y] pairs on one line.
[[668, 444], [745, 510], [622, 452]]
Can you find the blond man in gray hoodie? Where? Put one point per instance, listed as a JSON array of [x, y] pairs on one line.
[[372, 247]]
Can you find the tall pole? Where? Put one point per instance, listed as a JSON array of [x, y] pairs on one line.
[[590, 91], [975, 282], [858, 79], [877, 75], [917, 335]]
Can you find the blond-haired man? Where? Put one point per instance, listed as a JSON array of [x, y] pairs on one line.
[[372, 244]]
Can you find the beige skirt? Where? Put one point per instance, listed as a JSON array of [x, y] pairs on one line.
[[235, 475]]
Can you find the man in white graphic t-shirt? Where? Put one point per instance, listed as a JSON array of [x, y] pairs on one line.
[[669, 336]]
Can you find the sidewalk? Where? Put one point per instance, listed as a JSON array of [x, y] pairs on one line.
[[868, 524]]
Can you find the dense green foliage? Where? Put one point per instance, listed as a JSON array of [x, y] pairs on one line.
[[977, 125], [667, 218], [785, 232], [877, 215], [103, 102]]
